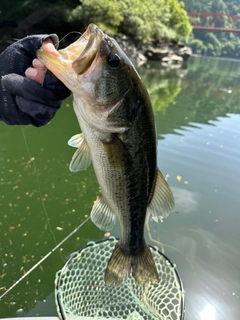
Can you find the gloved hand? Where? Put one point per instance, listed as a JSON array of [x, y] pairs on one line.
[[22, 100]]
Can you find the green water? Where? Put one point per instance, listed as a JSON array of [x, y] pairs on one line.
[[198, 122]]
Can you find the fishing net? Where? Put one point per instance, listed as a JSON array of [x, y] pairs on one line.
[[81, 293]]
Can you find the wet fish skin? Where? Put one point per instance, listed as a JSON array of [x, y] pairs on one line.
[[119, 138]]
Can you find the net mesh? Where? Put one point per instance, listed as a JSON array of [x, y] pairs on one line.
[[81, 293]]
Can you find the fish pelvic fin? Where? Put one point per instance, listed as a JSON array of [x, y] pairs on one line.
[[81, 159], [142, 267], [76, 140], [162, 200]]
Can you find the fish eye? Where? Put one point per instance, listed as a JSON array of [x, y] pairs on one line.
[[113, 60]]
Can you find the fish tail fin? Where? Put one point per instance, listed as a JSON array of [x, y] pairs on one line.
[[121, 265]]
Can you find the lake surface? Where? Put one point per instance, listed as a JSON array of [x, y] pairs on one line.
[[197, 113]]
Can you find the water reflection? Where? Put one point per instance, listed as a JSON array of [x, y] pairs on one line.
[[209, 313], [208, 89], [164, 84], [186, 200], [203, 165], [198, 127]]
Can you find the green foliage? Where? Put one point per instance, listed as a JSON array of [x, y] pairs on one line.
[[228, 49], [205, 5], [106, 14], [143, 19], [216, 43], [140, 19], [179, 18], [198, 47], [10, 11], [21, 17], [233, 7], [210, 49]]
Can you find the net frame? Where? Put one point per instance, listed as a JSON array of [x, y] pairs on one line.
[[134, 315]]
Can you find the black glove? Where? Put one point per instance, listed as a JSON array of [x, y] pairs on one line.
[[22, 100]]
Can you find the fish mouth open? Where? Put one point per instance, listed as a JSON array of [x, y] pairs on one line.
[[75, 58]]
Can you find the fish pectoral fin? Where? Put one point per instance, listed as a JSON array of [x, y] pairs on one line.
[[102, 216], [81, 159], [121, 265], [162, 200], [76, 140]]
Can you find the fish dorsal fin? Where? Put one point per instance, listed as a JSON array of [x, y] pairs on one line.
[[82, 158], [101, 215], [162, 201], [76, 140]]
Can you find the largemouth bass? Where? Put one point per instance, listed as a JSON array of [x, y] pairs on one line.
[[119, 138]]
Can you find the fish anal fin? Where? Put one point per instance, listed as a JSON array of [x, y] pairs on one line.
[[101, 215], [81, 159], [162, 200], [121, 265]]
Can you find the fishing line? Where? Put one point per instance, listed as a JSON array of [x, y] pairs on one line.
[[44, 258], [31, 160], [161, 244], [67, 35]]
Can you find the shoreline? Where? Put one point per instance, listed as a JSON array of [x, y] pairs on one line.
[[169, 53]]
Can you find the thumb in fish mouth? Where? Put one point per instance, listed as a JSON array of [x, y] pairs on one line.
[[38, 69]]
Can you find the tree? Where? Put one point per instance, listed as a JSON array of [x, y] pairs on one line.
[[139, 19]]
